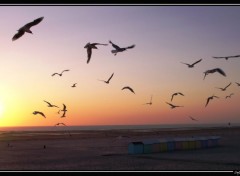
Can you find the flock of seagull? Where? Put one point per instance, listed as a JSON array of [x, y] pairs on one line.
[[90, 46]]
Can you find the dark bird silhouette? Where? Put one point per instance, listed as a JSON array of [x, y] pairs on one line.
[[192, 118], [107, 82], [192, 65], [64, 110], [89, 47], [118, 49], [173, 106], [226, 57], [213, 71], [177, 93], [229, 96], [59, 111], [60, 124], [210, 98], [26, 28], [223, 89], [51, 105], [74, 85], [149, 103], [238, 84], [129, 88], [60, 74], [38, 112]]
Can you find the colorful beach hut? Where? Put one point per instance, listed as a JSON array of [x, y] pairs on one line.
[[135, 147]]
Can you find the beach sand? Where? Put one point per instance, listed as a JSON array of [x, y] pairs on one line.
[[107, 150]]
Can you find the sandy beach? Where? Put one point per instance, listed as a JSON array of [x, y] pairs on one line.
[[107, 150]]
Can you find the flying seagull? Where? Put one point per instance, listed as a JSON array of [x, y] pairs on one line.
[[192, 65], [74, 85], [60, 74], [223, 89], [238, 84], [210, 98], [173, 106], [229, 96], [89, 47], [129, 88], [64, 110], [50, 105], [107, 82], [118, 49], [149, 103], [226, 57], [192, 118], [26, 28], [38, 112], [177, 93], [219, 70], [60, 124]]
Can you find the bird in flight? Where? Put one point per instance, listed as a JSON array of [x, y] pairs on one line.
[[60, 74], [210, 98], [173, 106], [74, 85], [192, 65], [38, 112], [26, 28], [107, 82], [89, 47], [149, 103], [213, 71], [226, 57], [238, 84], [118, 49], [50, 105], [223, 89], [60, 124], [229, 96], [192, 118], [129, 88], [64, 110], [177, 93]]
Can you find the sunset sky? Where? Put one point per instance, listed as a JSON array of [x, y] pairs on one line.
[[164, 37]]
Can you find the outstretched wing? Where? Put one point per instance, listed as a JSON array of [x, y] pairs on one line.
[[180, 93], [99, 44], [64, 107], [35, 22], [220, 71], [89, 54], [129, 47], [64, 71], [228, 85], [129, 88], [48, 103], [185, 63], [18, 35], [197, 61], [207, 101], [114, 45], [110, 77], [55, 74]]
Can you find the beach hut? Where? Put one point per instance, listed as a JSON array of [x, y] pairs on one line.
[[163, 145], [213, 141], [178, 143], [150, 146], [191, 143], [135, 147], [202, 141], [170, 144]]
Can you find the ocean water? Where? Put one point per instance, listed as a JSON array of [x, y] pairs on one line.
[[117, 127]]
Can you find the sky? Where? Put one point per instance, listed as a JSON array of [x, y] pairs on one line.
[[164, 36]]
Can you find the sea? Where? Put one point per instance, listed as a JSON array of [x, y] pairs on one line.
[[167, 127]]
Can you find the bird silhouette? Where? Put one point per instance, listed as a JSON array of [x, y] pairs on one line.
[[118, 49], [149, 103], [229, 96], [213, 71], [225, 88], [210, 98], [89, 47], [192, 118], [107, 82], [129, 88], [238, 84], [192, 65], [26, 28], [173, 106], [74, 85], [60, 124], [50, 105], [226, 57], [38, 112], [64, 110], [60, 74], [177, 93]]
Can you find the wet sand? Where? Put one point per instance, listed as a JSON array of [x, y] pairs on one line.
[[107, 150]]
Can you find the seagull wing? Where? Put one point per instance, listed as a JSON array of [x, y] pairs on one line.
[[207, 101], [33, 23], [220, 71], [180, 93], [64, 71], [48, 103], [218, 57], [173, 96], [197, 62], [55, 74], [129, 88], [89, 54], [129, 47], [64, 107], [110, 77], [185, 63], [114, 45], [18, 35], [99, 44], [228, 85]]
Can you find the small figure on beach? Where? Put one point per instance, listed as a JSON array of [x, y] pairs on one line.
[[44, 147]]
